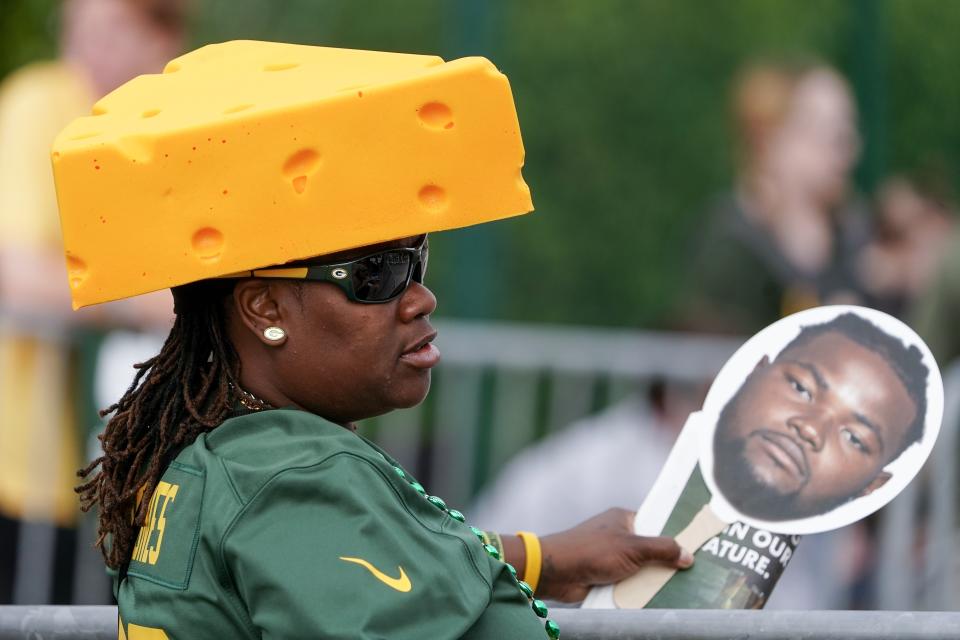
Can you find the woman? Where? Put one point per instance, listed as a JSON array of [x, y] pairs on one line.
[[236, 499], [791, 232]]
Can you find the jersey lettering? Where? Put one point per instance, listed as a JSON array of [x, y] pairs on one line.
[[147, 548], [136, 632]]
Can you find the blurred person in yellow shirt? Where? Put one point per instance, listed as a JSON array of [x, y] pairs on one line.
[[103, 43]]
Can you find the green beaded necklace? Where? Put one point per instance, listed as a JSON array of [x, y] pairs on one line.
[[539, 608]]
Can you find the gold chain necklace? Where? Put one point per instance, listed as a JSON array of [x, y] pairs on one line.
[[250, 401]]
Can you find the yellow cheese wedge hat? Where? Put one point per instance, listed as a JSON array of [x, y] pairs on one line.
[[249, 154]]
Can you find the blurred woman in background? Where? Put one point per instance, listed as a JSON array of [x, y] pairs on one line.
[[788, 235]]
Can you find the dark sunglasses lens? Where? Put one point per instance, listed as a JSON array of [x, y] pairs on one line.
[[420, 269], [381, 277]]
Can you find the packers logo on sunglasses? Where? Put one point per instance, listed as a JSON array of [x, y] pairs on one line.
[[372, 279]]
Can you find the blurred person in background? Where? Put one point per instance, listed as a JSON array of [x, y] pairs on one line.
[[914, 220], [789, 234], [916, 259], [103, 43], [618, 454], [934, 317], [934, 314]]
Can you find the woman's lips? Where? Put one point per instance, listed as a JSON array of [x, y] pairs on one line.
[[426, 357]]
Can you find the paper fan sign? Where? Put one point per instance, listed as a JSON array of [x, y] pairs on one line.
[[814, 423]]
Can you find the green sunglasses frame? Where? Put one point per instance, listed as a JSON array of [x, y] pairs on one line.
[[341, 273]]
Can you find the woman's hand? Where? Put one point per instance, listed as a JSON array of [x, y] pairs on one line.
[[601, 550]]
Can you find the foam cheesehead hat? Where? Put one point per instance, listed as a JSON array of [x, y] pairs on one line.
[[247, 154]]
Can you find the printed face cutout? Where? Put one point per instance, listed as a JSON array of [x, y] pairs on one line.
[[819, 420]]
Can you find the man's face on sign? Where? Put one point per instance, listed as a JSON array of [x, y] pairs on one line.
[[811, 430]]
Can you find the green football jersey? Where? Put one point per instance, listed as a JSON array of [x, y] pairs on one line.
[[280, 524]]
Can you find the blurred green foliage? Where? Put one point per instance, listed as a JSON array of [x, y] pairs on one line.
[[27, 29], [623, 104]]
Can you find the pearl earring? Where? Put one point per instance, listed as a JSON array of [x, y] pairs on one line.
[[274, 333]]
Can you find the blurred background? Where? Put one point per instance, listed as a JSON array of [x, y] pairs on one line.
[[699, 169]]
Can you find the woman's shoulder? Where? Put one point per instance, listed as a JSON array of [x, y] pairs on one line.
[[254, 448], [278, 433]]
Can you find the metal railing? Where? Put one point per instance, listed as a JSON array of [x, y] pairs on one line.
[[689, 624], [100, 623], [502, 386], [58, 623], [927, 508]]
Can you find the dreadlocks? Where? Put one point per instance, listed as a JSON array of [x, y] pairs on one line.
[[187, 389]]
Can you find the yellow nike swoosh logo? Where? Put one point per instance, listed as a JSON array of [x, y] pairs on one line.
[[401, 584]]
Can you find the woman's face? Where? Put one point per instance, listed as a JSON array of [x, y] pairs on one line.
[[818, 144], [344, 360], [116, 40]]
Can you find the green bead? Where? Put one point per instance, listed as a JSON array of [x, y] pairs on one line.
[[527, 591], [456, 515], [478, 533], [438, 502], [512, 570], [400, 472], [492, 551], [419, 488], [539, 608], [553, 629]]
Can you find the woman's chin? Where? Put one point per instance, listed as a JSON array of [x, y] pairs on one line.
[[413, 395], [402, 399]]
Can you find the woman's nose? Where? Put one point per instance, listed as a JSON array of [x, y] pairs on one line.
[[417, 301]]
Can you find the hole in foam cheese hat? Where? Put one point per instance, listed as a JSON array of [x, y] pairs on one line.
[[248, 154]]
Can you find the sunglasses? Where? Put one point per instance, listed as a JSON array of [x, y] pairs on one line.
[[373, 279]]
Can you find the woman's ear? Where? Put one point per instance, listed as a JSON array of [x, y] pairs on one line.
[[259, 310]]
